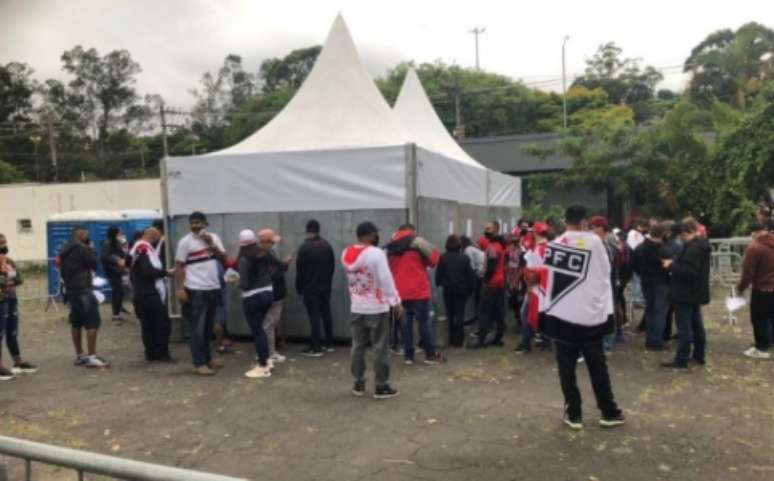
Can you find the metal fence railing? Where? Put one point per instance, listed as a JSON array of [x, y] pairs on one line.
[[83, 462]]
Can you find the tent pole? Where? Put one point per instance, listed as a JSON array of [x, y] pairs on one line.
[[411, 184], [172, 305]]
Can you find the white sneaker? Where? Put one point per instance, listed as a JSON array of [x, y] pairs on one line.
[[278, 358], [757, 354], [258, 372], [95, 362], [581, 359]]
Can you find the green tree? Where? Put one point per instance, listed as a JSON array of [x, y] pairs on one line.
[[731, 66], [290, 71], [622, 78], [16, 89], [103, 87], [9, 174]]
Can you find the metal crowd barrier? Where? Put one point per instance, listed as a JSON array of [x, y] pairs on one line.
[[84, 462]]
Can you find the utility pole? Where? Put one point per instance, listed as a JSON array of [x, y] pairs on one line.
[[476, 32], [35, 141], [52, 147], [564, 83], [459, 129], [164, 131]]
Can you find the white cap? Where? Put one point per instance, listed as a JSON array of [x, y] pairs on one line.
[[247, 238]]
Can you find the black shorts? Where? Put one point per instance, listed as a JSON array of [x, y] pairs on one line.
[[84, 310]]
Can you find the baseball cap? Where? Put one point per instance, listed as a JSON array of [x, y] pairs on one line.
[[247, 238], [541, 228], [599, 221]]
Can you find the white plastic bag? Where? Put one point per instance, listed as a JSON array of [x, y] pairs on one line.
[[99, 282], [231, 276], [735, 303], [100, 296]]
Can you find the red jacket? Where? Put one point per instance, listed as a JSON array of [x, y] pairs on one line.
[[409, 266], [496, 265]]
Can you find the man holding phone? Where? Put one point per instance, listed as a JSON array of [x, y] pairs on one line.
[[198, 288]]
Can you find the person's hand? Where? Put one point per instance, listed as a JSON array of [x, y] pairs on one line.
[[667, 263], [207, 238], [182, 296], [288, 259], [171, 272], [397, 311], [121, 263]]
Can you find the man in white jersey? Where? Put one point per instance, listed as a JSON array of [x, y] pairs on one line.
[[198, 288], [578, 313]]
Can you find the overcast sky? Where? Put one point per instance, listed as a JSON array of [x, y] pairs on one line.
[[175, 41]]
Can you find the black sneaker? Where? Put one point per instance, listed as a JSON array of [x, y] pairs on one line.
[[385, 392], [699, 361], [574, 422], [359, 388], [495, 344], [673, 365], [523, 350], [5, 374], [311, 352], [477, 344], [612, 421]]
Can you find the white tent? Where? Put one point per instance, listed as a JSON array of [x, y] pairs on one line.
[[445, 170], [337, 152]]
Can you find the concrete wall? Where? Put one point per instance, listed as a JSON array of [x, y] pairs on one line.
[[37, 202]]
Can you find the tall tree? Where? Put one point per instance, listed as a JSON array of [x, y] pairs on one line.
[[104, 86], [731, 65], [290, 71], [622, 78], [16, 89]]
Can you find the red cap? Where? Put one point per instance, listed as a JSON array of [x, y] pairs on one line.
[[541, 229], [599, 221]]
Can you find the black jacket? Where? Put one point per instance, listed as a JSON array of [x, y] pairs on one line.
[[254, 273], [78, 262], [315, 265], [109, 255], [648, 257], [690, 274], [144, 277], [278, 269], [454, 272]]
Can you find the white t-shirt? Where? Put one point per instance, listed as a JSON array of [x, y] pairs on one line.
[[201, 267], [578, 290]]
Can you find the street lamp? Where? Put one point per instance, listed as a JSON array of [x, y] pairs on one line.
[[564, 83], [35, 141]]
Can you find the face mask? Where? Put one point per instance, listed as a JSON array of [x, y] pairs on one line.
[[4, 250], [489, 235], [86, 240], [121, 239]]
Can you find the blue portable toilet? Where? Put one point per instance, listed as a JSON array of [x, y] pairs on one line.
[[59, 229]]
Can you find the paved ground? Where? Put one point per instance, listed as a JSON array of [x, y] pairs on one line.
[[485, 415]]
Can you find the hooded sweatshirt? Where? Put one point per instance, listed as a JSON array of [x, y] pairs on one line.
[[690, 273], [758, 269], [409, 257], [78, 261], [371, 286]]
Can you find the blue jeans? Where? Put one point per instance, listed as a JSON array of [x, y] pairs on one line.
[[9, 309], [201, 311], [421, 311], [255, 308], [656, 309], [637, 295], [690, 332]]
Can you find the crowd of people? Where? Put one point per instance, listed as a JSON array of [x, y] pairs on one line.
[[564, 282]]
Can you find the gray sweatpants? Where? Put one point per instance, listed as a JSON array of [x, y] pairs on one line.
[[376, 328], [271, 323]]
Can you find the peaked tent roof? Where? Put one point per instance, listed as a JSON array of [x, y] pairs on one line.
[[420, 119], [338, 106]]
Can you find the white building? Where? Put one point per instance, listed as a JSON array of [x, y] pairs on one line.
[[25, 208]]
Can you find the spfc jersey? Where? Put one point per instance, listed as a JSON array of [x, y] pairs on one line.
[[578, 287]]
